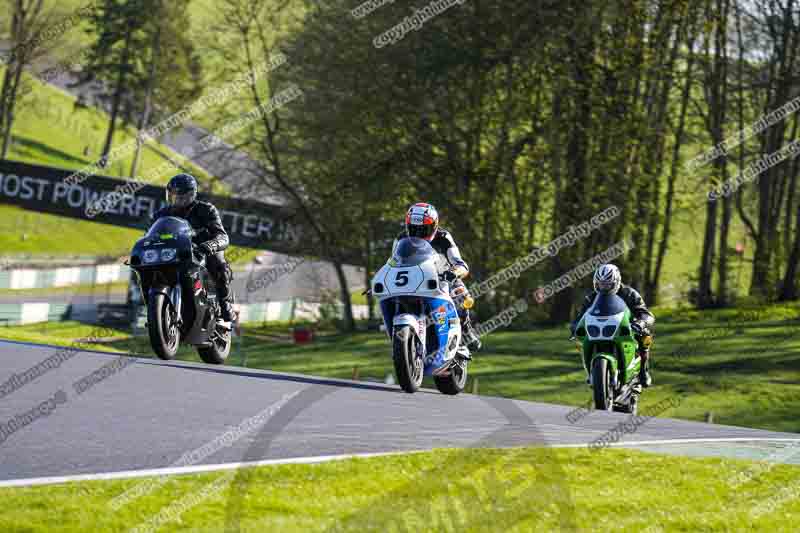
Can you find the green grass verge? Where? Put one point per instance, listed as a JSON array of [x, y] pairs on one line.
[[39, 234], [529, 489]]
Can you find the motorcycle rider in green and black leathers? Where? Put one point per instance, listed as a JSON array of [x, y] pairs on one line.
[[210, 237], [608, 280]]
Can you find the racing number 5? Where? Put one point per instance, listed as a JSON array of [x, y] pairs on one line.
[[401, 280]]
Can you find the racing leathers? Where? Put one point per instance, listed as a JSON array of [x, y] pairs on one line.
[[211, 239]]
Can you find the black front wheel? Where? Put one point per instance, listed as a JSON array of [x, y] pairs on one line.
[[408, 365], [601, 384], [162, 327]]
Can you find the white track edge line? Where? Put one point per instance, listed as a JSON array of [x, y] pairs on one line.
[[195, 469], [698, 440]]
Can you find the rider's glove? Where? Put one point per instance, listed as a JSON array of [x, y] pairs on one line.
[[450, 276], [204, 249], [460, 271], [638, 327]]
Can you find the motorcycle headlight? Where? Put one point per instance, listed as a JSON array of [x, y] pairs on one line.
[[150, 256], [168, 254]]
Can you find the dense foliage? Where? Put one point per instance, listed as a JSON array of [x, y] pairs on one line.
[[518, 120]]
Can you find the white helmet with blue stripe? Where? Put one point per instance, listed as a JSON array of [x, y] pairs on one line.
[[607, 279]]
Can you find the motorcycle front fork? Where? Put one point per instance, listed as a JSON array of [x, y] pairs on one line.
[[175, 298]]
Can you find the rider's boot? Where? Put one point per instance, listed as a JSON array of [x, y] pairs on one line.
[[469, 337], [644, 370], [223, 275], [463, 353], [226, 311]]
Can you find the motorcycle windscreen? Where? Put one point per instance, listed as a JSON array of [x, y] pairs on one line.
[[607, 305], [411, 251], [169, 228]]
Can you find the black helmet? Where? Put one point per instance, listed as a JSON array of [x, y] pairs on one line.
[[181, 190]]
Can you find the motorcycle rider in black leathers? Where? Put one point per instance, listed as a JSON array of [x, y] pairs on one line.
[[608, 280], [210, 239], [422, 220]]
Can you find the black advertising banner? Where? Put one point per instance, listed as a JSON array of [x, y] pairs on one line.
[[43, 189]]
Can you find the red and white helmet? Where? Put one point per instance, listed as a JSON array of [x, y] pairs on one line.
[[422, 221]]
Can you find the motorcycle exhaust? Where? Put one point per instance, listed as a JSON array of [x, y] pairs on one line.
[[444, 370]]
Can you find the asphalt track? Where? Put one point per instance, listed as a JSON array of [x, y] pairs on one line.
[[151, 413]]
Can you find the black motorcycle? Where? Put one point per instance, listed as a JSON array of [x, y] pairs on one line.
[[180, 293]]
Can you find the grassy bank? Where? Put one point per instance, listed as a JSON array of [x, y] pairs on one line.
[[533, 489], [49, 130]]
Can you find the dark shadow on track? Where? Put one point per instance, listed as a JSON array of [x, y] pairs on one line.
[[234, 371], [310, 380], [61, 347]]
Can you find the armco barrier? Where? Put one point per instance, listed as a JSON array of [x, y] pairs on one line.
[[31, 313], [26, 278]]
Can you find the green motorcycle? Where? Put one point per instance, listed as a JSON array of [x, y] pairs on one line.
[[609, 354]]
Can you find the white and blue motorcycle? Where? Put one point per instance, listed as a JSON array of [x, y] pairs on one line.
[[420, 317]]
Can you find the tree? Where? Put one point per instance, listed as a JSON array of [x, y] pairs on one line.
[[141, 53], [715, 86], [518, 121], [773, 86], [173, 70], [25, 24]]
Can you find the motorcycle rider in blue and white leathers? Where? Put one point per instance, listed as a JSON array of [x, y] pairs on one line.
[[422, 220]]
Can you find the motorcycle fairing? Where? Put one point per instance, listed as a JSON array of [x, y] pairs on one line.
[[609, 311], [444, 318]]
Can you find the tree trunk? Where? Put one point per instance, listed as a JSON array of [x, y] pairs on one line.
[[705, 297], [673, 173], [116, 101], [19, 30], [716, 79], [368, 276], [789, 289], [11, 104], [344, 290], [370, 297], [148, 102], [722, 266], [779, 90], [721, 54], [7, 134], [5, 96], [572, 200]]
